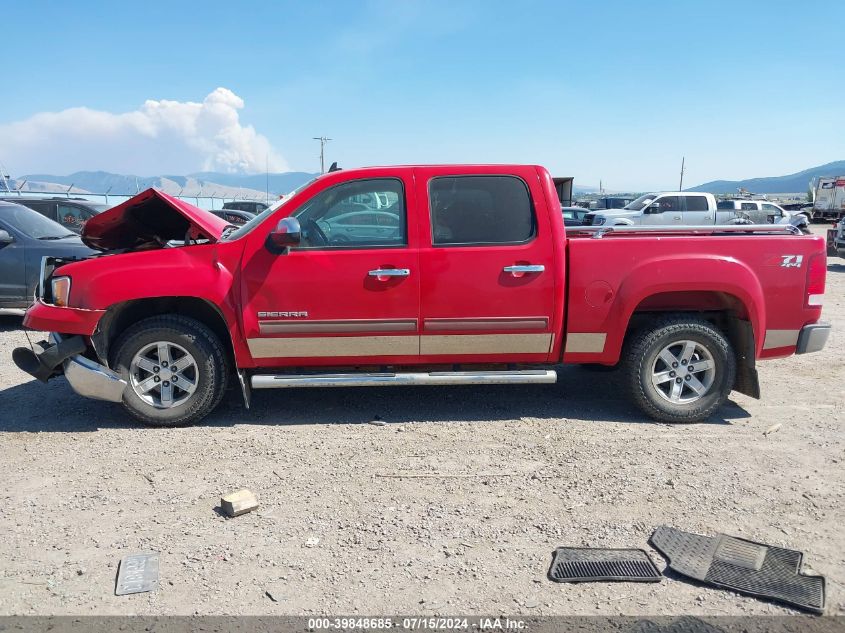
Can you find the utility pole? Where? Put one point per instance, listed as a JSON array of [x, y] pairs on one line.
[[681, 186], [323, 140]]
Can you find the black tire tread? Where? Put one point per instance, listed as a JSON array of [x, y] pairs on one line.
[[659, 328], [201, 336]]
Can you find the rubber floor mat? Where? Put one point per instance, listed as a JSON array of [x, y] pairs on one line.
[[585, 564], [743, 566]]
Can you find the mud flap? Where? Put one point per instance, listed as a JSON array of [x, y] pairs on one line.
[[741, 335]]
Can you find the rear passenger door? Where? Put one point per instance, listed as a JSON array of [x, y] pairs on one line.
[[697, 211], [487, 266]]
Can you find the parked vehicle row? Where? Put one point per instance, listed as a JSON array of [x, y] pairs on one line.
[[682, 208], [472, 281]]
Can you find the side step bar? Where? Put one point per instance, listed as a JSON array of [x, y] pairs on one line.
[[285, 381]]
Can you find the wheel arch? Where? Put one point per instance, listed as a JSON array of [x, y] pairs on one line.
[[120, 316]]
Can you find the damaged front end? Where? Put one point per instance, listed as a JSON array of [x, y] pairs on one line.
[[66, 355], [65, 306]]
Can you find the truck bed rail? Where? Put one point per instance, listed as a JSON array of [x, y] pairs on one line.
[[599, 232]]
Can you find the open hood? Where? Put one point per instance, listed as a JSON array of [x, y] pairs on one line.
[[150, 220]]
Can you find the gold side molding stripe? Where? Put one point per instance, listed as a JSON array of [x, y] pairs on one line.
[[488, 323], [585, 342], [337, 326], [328, 346], [780, 338], [485, 344]]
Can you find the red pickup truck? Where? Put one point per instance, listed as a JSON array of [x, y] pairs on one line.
[[417, 275]]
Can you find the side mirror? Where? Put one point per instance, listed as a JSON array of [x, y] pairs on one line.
[[286, 234], [654, 207], [5, 238]]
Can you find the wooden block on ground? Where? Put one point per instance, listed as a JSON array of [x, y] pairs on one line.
[[238, 503]]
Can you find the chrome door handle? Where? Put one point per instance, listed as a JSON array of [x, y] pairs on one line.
[[677, 217], [390, 272], [528, 268]]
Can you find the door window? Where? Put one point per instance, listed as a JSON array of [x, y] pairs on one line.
[[668, 204], [772, 210], [697, 203], [480, 210], [357, 214]]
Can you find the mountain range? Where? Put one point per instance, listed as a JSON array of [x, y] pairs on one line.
[[792, 183], [217, 184], [256, 186]]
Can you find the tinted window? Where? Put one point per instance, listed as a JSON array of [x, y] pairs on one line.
[[362, 213], [669, 203], [697, 203], [73, 217], [480, 210], [725, 204]]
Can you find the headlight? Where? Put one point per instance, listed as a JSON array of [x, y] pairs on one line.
[[598, 220], [61, 290]]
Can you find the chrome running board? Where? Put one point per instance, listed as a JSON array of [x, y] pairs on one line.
[[286, 381]]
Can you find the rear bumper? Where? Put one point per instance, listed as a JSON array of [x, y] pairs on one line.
[[812, 338], [86, 377]]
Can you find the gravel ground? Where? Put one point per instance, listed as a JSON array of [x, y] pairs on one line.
[[453, 505]]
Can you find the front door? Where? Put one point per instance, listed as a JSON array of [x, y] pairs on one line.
[[487, 262], [348, 294], [664, 211]]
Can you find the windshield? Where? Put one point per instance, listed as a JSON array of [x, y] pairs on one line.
[[97, 208], [640, 203], [258, 219], [32, 223]]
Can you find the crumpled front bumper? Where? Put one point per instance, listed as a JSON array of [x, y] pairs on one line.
[[86, 377]]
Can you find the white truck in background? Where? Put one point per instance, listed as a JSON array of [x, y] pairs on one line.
[[828, 199], [686, 208]]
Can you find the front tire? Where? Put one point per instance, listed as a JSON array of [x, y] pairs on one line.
[[175, 369], [681, 369]]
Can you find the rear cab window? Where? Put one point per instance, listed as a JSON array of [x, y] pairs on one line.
[[480, 210]]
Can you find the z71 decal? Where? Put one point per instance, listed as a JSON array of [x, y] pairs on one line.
[[791, 261]]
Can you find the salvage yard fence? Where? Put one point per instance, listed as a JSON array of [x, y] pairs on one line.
[[208, 201]]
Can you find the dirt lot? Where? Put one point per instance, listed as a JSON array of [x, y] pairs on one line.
[[495, 479]]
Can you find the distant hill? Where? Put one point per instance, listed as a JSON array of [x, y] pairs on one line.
[[200, 184], [793, 183]]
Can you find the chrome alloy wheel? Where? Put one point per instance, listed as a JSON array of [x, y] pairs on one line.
[[683, 372], [163, 374]]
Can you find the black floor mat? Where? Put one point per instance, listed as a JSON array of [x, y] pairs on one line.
[[743, 566], [583, 564]]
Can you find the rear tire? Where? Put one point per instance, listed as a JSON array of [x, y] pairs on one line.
[[680, 369], [175, 368]]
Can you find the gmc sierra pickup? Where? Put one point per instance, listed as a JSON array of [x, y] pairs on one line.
[[417, 275]]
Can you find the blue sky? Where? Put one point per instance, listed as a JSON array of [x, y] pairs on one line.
[[616, 91]]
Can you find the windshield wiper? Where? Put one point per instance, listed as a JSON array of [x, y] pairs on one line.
[[57, 237]]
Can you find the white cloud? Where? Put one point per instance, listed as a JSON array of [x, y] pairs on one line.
[[161, 137]]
